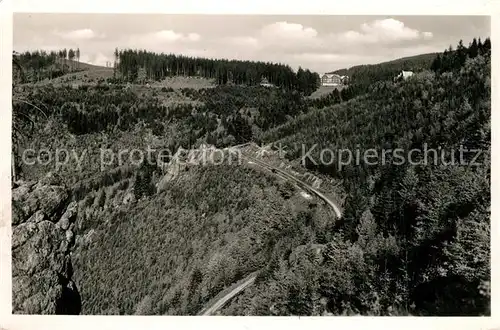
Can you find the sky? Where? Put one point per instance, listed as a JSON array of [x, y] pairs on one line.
[[319, 43]]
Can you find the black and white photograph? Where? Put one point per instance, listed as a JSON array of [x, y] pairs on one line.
[[251, 165]]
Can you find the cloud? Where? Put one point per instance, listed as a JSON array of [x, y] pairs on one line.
[[280, 30], [96, 59], [298, 44], [295, 43], [171, 36], [427, 35], [305, 46], [194, 36], [81, 34], [292, 38], [382, 31], [279, 36], [159, 40], [389, 29], [166, 36]]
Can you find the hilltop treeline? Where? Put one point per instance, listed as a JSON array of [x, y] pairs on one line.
[[452, 60], [159, 66], [39, 64]]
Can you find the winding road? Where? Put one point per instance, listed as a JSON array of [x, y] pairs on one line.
[[283, 174], [214, 306]]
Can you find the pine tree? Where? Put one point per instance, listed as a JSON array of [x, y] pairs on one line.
[[71, 56], [460, 55], [487, 45], [78, 57], [64, 55], [473, 49], [436, 64], [115, 66]]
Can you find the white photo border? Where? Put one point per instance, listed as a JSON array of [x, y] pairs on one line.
[[310, 7]]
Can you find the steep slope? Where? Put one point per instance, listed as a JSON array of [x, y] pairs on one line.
[[171, 252], [415, 233]]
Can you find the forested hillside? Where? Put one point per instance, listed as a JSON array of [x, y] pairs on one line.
[[139, 65], [116, 118], [172, 252], [363, 76], [413, 238], [232, 201]]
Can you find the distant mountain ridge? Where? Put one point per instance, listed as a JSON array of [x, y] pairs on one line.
[[363, 76], [406, 63]]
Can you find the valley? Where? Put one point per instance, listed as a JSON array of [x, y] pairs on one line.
[[176, 185]]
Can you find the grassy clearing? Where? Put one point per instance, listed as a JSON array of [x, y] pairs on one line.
[[324, 90]]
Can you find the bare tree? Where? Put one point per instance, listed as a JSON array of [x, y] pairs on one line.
[[23, 121]]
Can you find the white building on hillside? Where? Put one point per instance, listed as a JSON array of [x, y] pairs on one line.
[[331, 79], [265, 83], [404, 75]]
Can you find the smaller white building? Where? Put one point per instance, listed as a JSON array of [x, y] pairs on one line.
[[265, 83], [404, 75]]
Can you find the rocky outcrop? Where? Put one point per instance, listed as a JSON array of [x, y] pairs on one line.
[[172, 169], [69, 216], [47, 196], [42, 238], [203, 155]]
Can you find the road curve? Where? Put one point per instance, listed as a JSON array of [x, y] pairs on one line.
[[331, 203], [251, 278], [222, 301]]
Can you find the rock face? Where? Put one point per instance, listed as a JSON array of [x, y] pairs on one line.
[[41, 244], [203, 155], [68, 216], [172, 169], [30, 198]]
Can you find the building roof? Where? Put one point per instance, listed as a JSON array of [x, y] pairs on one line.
[[331, 75]]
